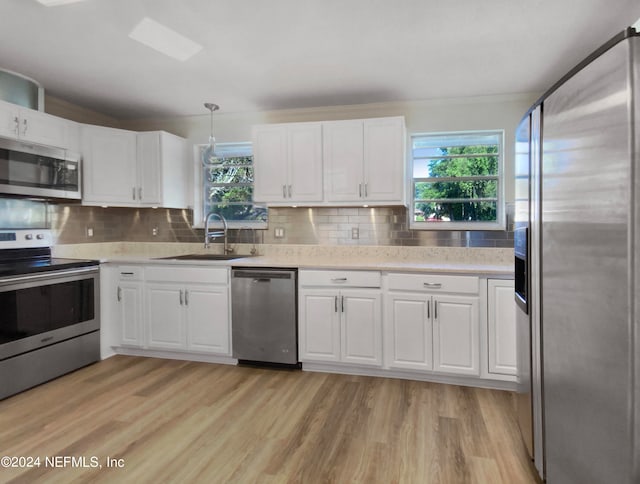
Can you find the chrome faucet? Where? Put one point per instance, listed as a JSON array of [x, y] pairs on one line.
[[208, 235]]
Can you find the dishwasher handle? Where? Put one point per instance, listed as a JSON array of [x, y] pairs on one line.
[[262, 276]]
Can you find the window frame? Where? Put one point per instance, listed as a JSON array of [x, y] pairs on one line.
[[199, 191], [499, 223]]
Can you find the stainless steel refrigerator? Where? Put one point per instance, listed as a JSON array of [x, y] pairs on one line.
[[578, 271]]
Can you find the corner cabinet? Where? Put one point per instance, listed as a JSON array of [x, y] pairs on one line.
[[33, 126], [331, 163], [182, 309], [128, 169], [288, 163], [340, 317]]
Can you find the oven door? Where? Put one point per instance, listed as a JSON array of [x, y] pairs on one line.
[[42, 309]]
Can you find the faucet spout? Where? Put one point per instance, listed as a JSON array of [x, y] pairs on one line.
[[208, 234]]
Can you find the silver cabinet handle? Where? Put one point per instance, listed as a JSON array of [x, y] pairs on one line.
[[432, 285], [186, 297], [119, 294], [25, 125], [365, 190], [435, 309], [339, 279], [360, 190], [139, 193], [342, 304], [181, 297], [289, 191], [428, 309], [133, 193], [16, 128], [335, 304], [284, 191]]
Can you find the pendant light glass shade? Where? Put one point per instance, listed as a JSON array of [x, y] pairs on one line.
[[209, 156]]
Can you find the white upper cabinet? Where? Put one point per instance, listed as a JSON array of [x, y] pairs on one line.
[[288, 163], [128, 169], [364, 161], [343, 160], [384, 160], [34, 126], [109, 166], [332, 163]]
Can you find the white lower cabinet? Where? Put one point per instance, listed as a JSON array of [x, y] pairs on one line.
[[456, 335], [129, 305], [432, 332], [185, 309], [501, 327], [408, 331], [340, 325]]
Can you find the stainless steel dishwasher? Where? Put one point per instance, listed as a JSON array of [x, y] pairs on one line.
[[264, 316]]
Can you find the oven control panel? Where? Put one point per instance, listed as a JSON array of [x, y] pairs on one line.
[[21, 239]]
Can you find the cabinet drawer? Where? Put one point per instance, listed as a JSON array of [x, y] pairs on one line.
[[172, 273], [339, 278], [433, 282], [130, 273]]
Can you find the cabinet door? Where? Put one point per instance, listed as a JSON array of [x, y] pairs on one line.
[[343, 161], [9, 120], [319, 325], [164, 316], [455, 334], [149, 169], [270, 163], [501, 319], [129, 295], [408, 331], [361, 327], [42, 128], [109, 163], [305, 162], [384, 162], [208, 319]]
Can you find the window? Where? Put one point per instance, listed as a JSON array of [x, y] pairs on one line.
[[227, 188], [457, 181]]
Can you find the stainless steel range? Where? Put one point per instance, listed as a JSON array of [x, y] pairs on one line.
[[49, 311]]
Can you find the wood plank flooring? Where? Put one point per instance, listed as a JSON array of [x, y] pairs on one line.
[[184, 422]]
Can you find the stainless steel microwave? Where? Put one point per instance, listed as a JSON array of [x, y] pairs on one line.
[[38, 171]]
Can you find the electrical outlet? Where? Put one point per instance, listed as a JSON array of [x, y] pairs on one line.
[[278, 232], [89, 231], [355, 233], [154, 231]]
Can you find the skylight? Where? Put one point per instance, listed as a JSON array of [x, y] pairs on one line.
[[164, 40]]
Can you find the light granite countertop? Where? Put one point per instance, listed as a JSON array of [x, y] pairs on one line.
[[492, 262]]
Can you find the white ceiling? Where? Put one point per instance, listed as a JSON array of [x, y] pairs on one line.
[[281, 54]]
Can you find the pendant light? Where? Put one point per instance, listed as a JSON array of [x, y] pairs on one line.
[[209, 156]]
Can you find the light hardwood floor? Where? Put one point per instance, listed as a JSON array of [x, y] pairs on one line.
[[174, 421]]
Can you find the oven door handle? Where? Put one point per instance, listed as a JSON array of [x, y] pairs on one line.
[[48, 275]]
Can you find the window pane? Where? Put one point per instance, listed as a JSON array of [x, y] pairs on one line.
[[237, 174], [455, 212], [464, 189], [238, 212], [458, 165], [230, 194]]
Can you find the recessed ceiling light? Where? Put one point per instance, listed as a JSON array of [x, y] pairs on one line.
[[164, 40], [55, 3]]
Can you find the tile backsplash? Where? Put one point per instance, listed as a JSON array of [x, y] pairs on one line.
[[386, 226]]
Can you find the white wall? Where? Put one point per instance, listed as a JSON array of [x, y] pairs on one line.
[[479, 113]]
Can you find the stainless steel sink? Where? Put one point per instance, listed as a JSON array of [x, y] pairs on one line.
[[204, 257]]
